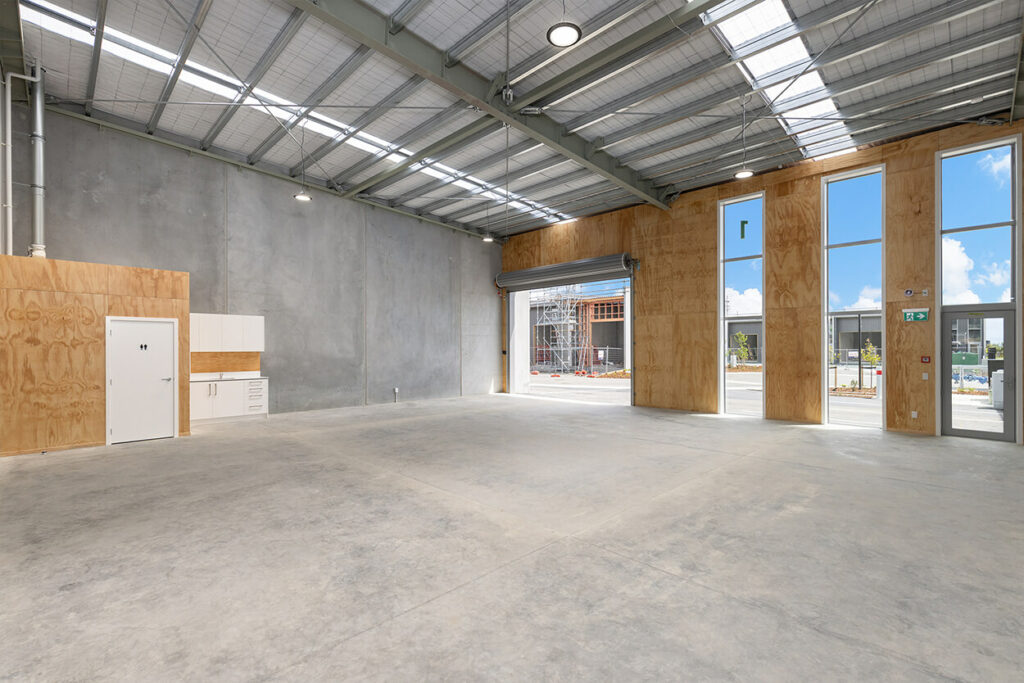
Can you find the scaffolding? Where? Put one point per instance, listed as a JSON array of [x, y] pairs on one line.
[[558, 317]]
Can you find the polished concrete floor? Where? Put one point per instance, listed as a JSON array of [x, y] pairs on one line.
[[504, 538]]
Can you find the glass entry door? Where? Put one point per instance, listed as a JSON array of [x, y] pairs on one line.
[[978, 374]]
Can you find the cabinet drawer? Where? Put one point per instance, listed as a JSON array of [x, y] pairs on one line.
[[255, 407]]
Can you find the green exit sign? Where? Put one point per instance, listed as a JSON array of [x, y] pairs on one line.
[[913, 315]]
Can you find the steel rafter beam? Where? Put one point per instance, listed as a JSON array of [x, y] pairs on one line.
[[952, 82], [592, 204], [97, 52], [468, 170], [838, 53], [494, 22], [323, 91], [401, 16], [830, 13], [422, 130], [476, 130], [362, 121], [187, 43], [369, 27], [277, 46], [12, 47]]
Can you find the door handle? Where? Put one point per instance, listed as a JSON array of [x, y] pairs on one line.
[[209, 390], [214, 389], [168, 379]]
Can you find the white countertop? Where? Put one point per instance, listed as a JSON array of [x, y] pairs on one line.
[[224, 376]]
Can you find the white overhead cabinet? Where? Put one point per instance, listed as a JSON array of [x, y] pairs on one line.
[[213, 332]]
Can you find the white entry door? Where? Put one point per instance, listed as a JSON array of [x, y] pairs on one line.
[[142, 378]]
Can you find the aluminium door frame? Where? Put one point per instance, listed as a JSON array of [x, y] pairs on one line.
[[1018, 269], [175, 432], [1009, 363]]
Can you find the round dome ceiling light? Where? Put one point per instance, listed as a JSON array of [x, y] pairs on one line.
[[744, 173], [564, 34]]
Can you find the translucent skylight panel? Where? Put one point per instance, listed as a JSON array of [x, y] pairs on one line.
[[755, 22], [804, 84], [785, 54], [801, 115]]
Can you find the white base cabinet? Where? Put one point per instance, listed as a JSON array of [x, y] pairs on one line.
[[228, 398]]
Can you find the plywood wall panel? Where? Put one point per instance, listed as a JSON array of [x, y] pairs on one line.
[[675, 362], [905, 391], [52, 370], [48, 275], [145, 282]]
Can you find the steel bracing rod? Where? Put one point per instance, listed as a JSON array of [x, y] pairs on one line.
[[838, 53], [97, 52], [401, 16], [367, 26], [422, 130], [828, 14], [466, 171], [277, 46], [1017, 103], [333, 82], [955, 82], [490, 25], [829, 133], [723, 172], [547, 184], [492, 184], [561, 201], [433, 155], [191, 33], [595, 203], [675, 27], [478, 129], [362, 121]]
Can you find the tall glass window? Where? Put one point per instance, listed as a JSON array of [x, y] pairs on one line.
[[977, 226], [741, 229], [853, 257]]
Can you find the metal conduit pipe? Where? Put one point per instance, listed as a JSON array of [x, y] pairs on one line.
[[37, 248], [8, 166]]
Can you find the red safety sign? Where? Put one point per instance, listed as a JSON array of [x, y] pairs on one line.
[[926, 359]]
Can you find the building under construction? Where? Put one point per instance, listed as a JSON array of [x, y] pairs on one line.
[[580, 328]]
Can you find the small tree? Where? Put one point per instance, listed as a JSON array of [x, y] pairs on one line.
[[742, 349], [872, 357]]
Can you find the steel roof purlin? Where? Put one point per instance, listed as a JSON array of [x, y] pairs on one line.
[[191, 34]]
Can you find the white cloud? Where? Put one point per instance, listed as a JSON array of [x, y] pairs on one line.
[[869, 299], [996, 274], [1005, 295], [956, 274], [833, 298], [996, 166], [747, 302]]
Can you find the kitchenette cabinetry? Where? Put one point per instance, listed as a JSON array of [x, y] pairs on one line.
[[229, 398]]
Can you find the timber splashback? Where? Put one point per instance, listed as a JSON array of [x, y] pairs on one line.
[[225, 361], [52, 346], [676, 285]]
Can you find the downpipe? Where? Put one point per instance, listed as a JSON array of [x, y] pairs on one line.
[[7, 198], [38, 247]]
